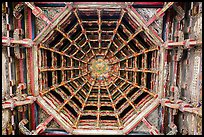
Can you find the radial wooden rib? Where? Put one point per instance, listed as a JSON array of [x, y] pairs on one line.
[[78, 36], [71, 41], [136, 85], [125, 29], [130, 38], [82, 109], [140, 70], [113, 105], [90, 59], [62, 68], [95, 31], [130, 49], [59, 43], [54, 61], [62, 83], [73, 28], [79, 88], [135, 55], [98, 105], [83, 30], [120, 38], [42, 46], [73, 105], [63, 65], [115, 31], [153, 77], [120, 86], [72, 62], [85, 44], [136, 67], [99, 29], [129, 101], [121, 53], [145, 66], [126, 66], [69, 88], [139, 45]]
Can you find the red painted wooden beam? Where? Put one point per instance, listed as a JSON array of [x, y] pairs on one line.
[[24, 42], [29, 28], [143, 23], [14, 102], [144, 113], [149, 3], [21, 79], [21, 67], [186, 43], [42, 126], [160, 12], [181, 105], [152, 129]]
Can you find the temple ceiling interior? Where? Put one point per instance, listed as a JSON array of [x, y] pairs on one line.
[[100, 68]]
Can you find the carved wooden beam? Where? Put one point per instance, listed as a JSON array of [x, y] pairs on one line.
[[38, 12], [17, 9], [42, 126], [22, 127], [16, 101], [152, 129], [181, 105]]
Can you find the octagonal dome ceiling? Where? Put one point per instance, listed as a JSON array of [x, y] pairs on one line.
[[97, 70]]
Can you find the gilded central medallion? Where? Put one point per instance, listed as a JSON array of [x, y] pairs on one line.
[[99, 68]]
